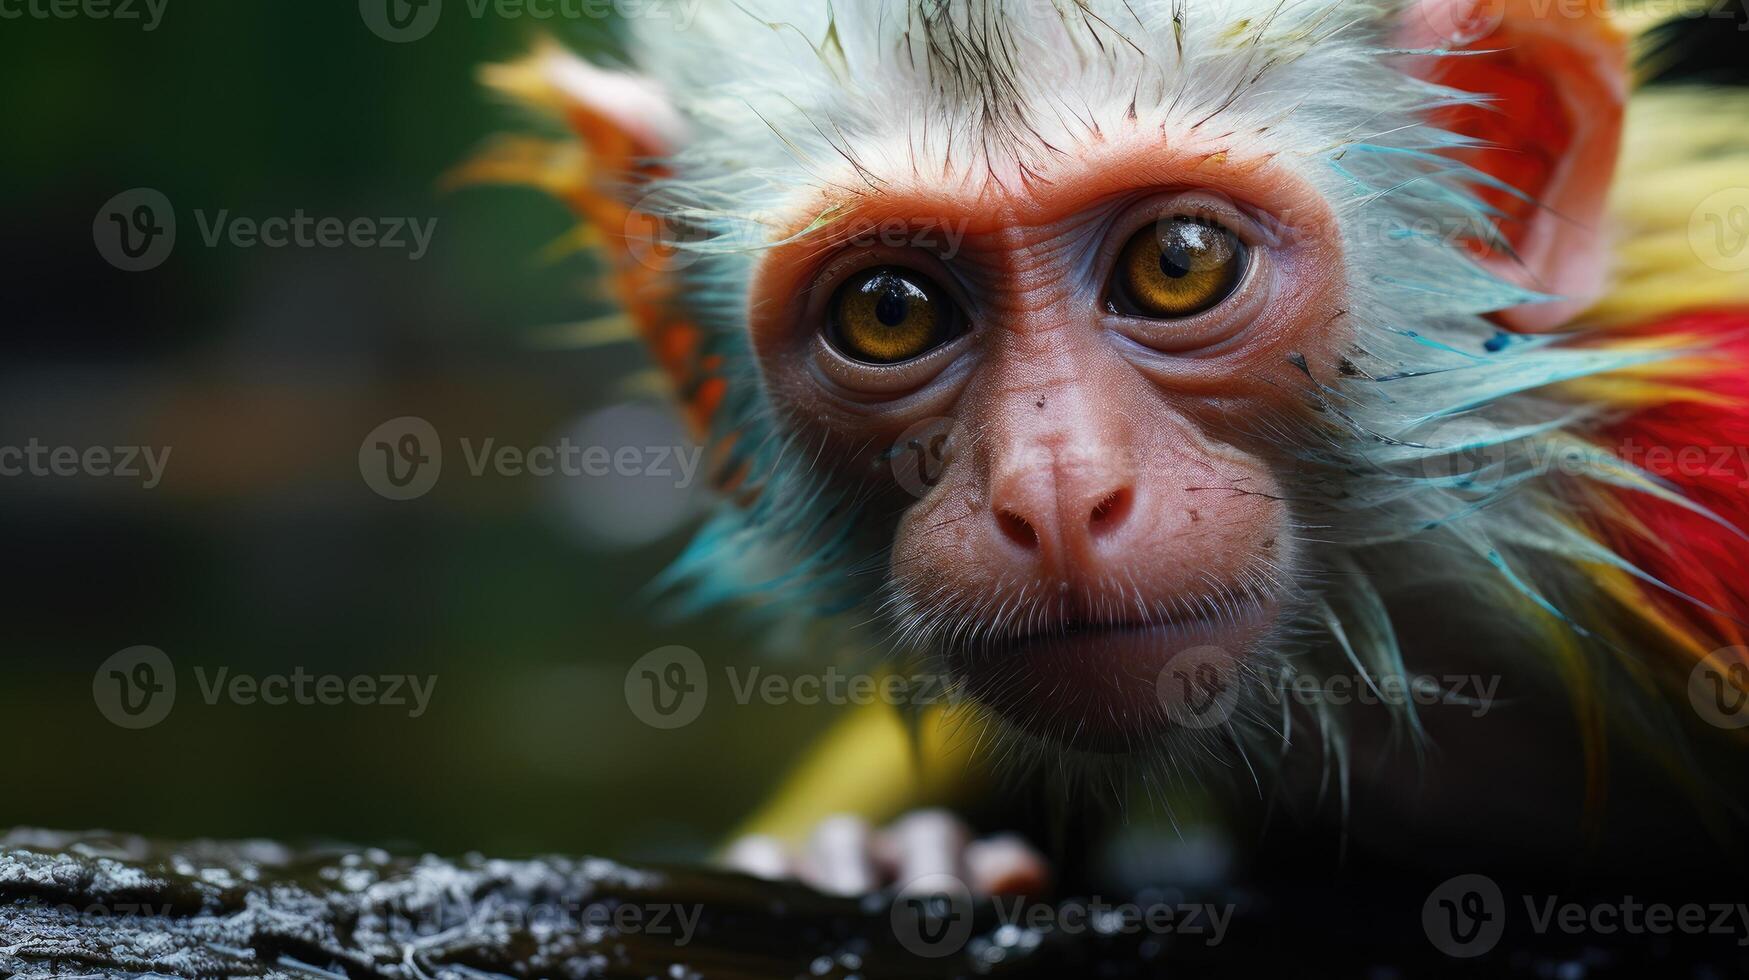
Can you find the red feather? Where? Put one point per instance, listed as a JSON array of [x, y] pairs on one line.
[[1701, 446]]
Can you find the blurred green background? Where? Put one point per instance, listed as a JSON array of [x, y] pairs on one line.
[[263, 369]]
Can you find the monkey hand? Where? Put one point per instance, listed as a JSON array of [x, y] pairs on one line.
[[844, 855]]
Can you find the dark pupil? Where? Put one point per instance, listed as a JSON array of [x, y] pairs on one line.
[[1178, 246], [892, 306], [1175, 259]]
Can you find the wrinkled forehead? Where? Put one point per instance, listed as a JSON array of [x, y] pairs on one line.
[[977, 199]]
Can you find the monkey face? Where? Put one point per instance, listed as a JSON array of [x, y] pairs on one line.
[[1083, 409]]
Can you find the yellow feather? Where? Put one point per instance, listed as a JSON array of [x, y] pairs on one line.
[[528, 80], [616, 328], [866, 765], [559, 167], [1685, 155]]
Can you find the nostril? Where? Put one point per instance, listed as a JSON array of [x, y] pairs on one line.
[[1016, 529], [1110, 512]]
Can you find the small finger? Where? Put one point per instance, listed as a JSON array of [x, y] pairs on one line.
[[929, 842], [1006, 865], [760, 856], [837, 859]]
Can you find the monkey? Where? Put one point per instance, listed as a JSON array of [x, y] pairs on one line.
[[1117, 359]]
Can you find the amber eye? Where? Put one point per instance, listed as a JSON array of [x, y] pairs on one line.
[[1177, 267], [888, 315]]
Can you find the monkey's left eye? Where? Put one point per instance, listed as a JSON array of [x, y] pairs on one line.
[[890, 314], [1177, 267]]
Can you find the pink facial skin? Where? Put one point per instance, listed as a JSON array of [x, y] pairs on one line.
[[1111, 495]]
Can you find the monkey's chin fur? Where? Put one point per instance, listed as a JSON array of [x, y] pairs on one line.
[[1117, 687]]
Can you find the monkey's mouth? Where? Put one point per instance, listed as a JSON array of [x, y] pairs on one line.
[[1111, 686]]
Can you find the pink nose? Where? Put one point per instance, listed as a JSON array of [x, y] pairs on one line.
[[1063, 518]]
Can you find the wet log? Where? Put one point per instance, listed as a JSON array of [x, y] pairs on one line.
[[96, 905], [106, 905]]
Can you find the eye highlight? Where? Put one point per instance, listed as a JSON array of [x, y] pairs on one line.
[[1177, 267], [890, 314]]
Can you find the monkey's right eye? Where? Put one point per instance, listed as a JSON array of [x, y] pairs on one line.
[[1177, 268], [890, 314]]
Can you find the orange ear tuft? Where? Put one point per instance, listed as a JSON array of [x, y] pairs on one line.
[[622, 127]]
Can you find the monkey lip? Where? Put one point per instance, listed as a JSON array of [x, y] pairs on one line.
[[1111, 687]]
